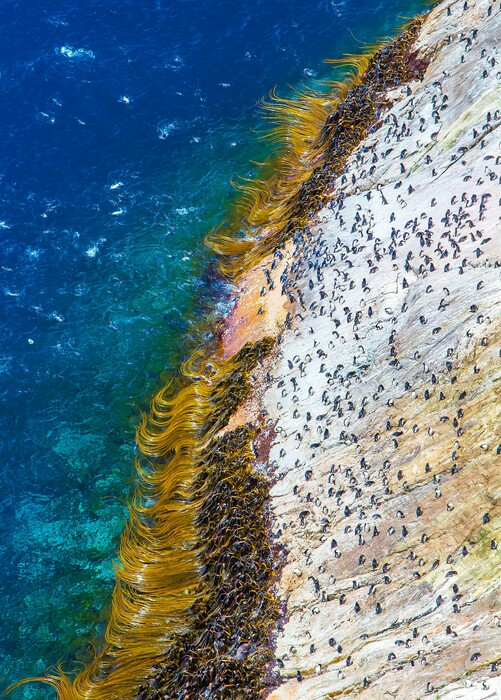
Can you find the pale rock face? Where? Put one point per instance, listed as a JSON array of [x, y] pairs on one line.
[[385, 398]]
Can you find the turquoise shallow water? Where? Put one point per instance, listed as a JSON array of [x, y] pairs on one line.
[[122, 124]]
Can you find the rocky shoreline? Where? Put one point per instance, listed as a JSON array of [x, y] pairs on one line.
[[318, 507], [382, 395]]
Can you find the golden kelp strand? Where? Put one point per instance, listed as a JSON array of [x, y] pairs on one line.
[[317, 133], [163, 553]]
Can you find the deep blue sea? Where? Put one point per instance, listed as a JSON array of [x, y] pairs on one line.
[[121, 123]]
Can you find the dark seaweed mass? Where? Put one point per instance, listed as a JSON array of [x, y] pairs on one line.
[[226, 655], [358, 114]]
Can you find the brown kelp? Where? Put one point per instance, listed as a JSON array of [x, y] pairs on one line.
[[163, 555], [316, 133], [192, 609], [223, 655]]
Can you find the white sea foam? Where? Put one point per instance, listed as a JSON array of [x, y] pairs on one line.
[[70, 52], [93, 250], [183, 211], [165, 129], [48, 117]]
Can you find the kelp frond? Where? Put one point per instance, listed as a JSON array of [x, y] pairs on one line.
[[314, 133], [161, 573]]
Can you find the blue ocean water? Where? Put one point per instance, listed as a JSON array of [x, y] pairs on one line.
[[121, 124]]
